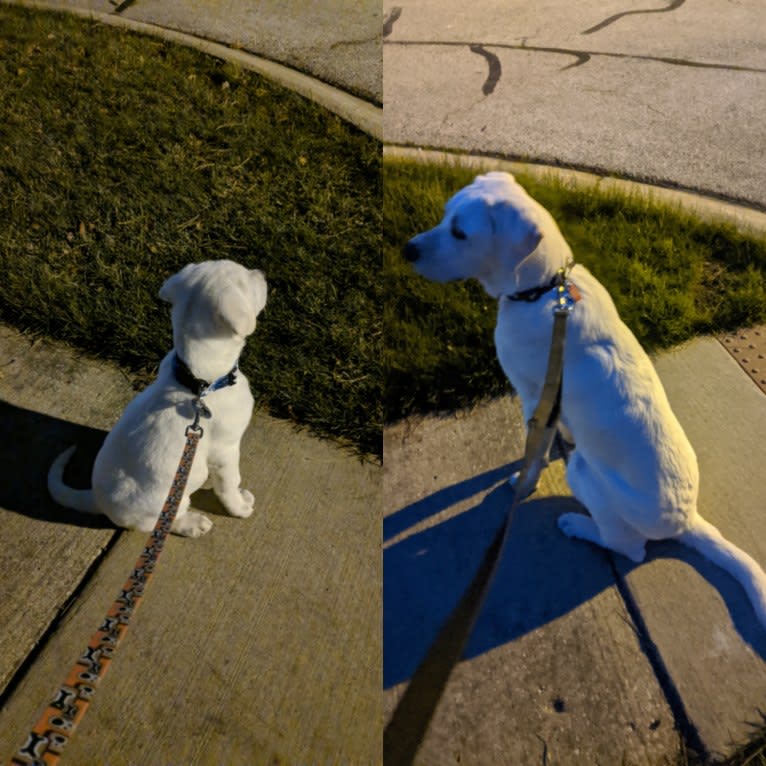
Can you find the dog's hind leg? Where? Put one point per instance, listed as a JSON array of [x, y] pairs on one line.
[[583, 527], [604, 527]]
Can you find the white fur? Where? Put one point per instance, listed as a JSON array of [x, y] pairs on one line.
[[215, 305], [632, 467]]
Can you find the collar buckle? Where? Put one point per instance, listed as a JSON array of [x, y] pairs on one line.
[[567, 293], [198, 386]]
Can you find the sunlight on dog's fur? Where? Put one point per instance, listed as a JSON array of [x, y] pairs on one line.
[[215, 306], [632, 467]]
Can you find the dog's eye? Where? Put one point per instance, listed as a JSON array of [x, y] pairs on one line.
[[456, 231]]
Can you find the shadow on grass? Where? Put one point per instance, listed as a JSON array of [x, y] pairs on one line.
[[29, 442], [542, 576]]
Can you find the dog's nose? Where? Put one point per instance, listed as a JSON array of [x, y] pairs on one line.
[[411, 252]]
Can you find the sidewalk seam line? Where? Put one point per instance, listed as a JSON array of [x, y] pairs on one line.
[[46, 635], [686, 729]]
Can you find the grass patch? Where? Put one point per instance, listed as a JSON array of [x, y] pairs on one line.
[[750, 754], [123, 158], [671, 275], [753, 754]]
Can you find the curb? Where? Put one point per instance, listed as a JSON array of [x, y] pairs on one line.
[[707, 208], [363, 115]]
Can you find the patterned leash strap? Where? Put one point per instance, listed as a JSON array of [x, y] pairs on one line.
[[59, 721]]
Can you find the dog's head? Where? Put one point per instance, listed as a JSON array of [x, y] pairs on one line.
[[489, 228], [215, 299]]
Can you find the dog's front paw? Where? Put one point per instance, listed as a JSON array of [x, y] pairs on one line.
[[575, 525], [191, 524], [241, 506]]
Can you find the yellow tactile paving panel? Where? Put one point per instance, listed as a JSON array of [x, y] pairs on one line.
[[748, 347]]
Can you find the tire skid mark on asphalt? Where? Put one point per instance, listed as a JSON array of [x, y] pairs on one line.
[[495, 70], [120, 7], [675, 4], [388, 22]]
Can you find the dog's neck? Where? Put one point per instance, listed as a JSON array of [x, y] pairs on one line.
[[209, 358], [536, 270]]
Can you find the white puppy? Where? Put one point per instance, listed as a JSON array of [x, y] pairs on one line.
[[215, 305], [632, 467]]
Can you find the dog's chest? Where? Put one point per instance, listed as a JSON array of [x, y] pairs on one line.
[[522, 341], [230, 411]]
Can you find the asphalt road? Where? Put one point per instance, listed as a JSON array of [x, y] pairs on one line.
[[666, 91], [334, 40]]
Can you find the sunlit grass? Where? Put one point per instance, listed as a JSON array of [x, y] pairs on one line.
[[123, 158], [671, 275]]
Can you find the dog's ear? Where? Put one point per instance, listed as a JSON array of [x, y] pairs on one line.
[[240, 304], [260, 289], [515, 225], [169, 289]]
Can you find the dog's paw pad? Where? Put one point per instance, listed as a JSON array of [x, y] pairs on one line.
[[242, 512], [241, 505], [192, 524], [571, 524]]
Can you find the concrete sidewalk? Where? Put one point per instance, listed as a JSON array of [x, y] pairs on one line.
[[579, 656], [258, 643]]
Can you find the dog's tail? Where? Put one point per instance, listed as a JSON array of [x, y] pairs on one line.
[[708, 541], [77, 499]]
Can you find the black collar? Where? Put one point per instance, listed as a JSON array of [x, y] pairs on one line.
[[198, 386], [535, 293]]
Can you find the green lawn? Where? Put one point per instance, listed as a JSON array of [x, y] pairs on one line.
[[123, 158], [671, 275]]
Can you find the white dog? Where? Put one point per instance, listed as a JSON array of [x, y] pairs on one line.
[[215, 305], [632, 467]]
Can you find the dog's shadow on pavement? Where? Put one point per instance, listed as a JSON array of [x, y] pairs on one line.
[[29, 443], [542, 575]]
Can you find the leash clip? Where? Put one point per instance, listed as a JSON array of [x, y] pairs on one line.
[[200, 410]]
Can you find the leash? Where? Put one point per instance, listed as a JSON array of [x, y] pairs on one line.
[[409, 722], [57, 724]]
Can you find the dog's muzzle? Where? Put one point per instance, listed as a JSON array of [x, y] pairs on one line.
[[411, 252]]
